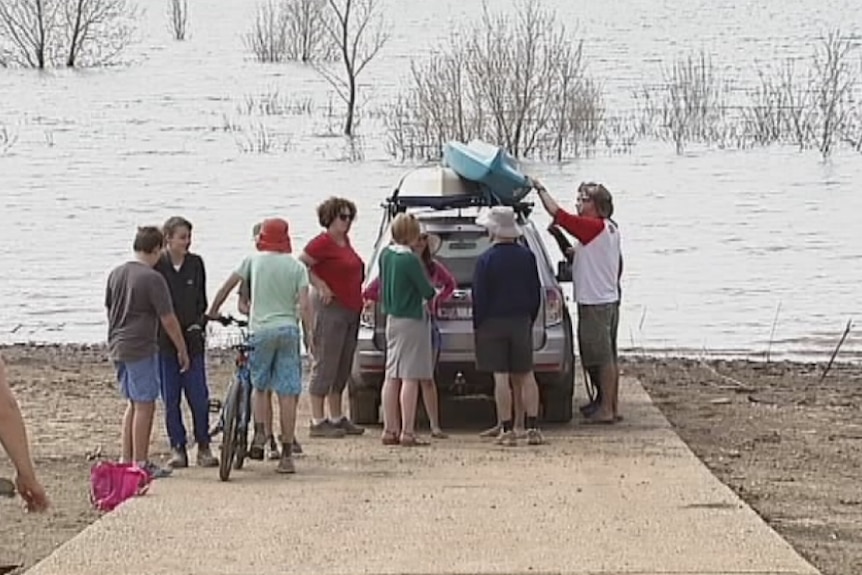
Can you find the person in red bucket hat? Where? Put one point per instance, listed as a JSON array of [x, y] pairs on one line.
[[279, 297], [274, 236]]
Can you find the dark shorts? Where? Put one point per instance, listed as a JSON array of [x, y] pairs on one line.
[[597, 333], [504, 345], [334, 336]]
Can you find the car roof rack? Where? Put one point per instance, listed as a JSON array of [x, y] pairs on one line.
[[482, 198]]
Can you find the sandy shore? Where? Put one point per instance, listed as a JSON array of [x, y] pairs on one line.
[[786, 442]]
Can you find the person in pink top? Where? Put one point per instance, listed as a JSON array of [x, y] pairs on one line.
[[445, 284]]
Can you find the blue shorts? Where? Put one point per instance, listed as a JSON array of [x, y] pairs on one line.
[[140, 380], [276, 363]]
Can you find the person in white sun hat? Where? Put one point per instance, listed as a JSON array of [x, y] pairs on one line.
[[507, 296]]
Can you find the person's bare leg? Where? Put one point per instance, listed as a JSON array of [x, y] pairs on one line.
[[269, 417], [608, 380], [142, 428], [530, 395], [287, 418], [518, 407], [432, 407], [336, 411], [391, 409], [408, 400], [287, 415], [128, 419], [318, 402], [530, 391], [503, 399]]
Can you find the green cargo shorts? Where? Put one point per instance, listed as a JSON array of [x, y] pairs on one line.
[[597, 333]]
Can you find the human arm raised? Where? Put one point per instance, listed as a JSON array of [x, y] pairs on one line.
[[584, 229]]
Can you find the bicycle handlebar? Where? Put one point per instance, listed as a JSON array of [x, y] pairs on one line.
[[230, 320]]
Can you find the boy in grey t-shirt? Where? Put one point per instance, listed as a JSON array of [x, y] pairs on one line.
[[138, 300]]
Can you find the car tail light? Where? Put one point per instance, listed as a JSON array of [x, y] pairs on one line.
[[554, 306], [368, 317]]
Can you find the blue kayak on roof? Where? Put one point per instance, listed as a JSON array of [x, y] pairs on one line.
[[490, 165]]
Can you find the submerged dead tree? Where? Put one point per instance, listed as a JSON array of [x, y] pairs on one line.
[[27, 28], [178, 19], [45, 33], [836, 74], [307, 32], [98, 30], [358, 31], [516, 80], [688, 106]]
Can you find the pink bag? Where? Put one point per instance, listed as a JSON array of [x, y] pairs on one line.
[[112, 483]]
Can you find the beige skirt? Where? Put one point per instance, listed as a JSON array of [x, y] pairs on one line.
[[408, 348]]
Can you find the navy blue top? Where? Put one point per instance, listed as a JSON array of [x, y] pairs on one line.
[[506, 283]]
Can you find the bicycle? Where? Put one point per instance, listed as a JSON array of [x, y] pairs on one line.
[[235, 412]]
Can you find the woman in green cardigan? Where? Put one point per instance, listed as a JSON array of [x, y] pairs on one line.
[[409, 359]]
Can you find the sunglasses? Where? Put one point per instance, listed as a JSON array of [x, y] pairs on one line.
[[345, 217]]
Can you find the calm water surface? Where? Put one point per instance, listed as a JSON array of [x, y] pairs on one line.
[[714, 240]]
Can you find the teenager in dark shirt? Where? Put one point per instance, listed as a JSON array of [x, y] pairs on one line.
[[186, 277]]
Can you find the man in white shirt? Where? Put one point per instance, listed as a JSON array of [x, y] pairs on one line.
[[597, 268]]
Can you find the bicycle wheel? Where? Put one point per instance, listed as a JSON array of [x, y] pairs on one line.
[[243, 418], [231, 420]]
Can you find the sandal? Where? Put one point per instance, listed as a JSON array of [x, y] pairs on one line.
[[412, 441], [438, 434], [389, 438]]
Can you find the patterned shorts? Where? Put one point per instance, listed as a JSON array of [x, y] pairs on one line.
[[276, 363]]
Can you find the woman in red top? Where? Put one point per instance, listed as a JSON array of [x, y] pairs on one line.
[[337, 273]]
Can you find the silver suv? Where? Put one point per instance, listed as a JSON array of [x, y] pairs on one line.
[[447, 205]]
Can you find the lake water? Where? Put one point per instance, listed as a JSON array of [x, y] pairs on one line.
[[715, 241]]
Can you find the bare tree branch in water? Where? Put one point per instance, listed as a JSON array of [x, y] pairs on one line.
[[692, 100], [26, 32], [178, 18], [358, 31], [518, 81], [308, 36], [268, 37], [835, 79], [97, 31]]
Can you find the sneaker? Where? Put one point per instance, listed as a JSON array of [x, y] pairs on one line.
[[179, 458], [507, 439], [258, 443], [285, 463], [349, 427], [206, 457], [325, 429], [154, 471], [534, 437], [296, 448], [272, 452]]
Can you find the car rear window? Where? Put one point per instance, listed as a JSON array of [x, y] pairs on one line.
[[459, 251]]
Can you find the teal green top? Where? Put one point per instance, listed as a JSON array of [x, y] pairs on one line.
[[276, 280], [403, 283]]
